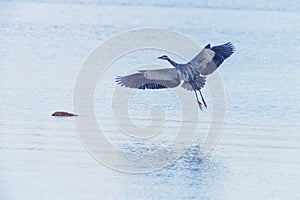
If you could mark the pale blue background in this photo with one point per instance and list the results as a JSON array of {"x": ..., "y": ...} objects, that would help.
[{"x": 42, "y": 46}]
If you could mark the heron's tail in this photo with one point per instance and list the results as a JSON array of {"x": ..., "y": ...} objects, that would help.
[{"x": 197, "y": 84}]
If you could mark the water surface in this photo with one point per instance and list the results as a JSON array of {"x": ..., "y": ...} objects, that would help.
[{"x": 43, "y": 45}]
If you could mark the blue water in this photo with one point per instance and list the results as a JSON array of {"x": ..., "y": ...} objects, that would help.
[{"x": 43, "y": 45}]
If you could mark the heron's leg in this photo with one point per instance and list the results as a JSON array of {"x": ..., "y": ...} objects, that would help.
[
  {"x": 199, "y": 103},
  {"x": 203, "y": 99}
]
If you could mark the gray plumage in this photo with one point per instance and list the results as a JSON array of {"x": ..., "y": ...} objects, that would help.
[
  {"x": 151, "y": 79},
  {"x": 192, "y": 74}
]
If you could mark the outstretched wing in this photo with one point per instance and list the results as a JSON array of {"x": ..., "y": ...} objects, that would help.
[
  {"x": 222, "y": 52},
  {"x": 201, "y": 60},
  {"x": 151, "y": 79}
]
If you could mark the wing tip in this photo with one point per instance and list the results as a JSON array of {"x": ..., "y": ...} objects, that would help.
[
  {"x": 118, "y": 78},
  {"x": 231, "y": 46}
]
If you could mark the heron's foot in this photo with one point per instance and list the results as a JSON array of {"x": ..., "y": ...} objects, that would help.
[{"x": 200, "y": 105}]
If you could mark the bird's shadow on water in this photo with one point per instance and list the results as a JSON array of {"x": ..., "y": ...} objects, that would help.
[
  {"x": 191, "y": 164},
  {"x": 189, "y": 177}
]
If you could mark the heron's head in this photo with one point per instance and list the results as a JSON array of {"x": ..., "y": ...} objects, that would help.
[{"x": 164, "y": 57}]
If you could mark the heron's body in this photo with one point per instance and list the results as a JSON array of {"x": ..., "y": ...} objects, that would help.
[
  {"x": 187, "y": 72},
  {"x": 192, "y": 74}
]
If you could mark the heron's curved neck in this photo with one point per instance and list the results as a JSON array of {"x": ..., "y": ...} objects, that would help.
[{"x": 172, "y": 62}]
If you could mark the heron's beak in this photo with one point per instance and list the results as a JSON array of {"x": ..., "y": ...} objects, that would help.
[{"x": 160, "y": 57}]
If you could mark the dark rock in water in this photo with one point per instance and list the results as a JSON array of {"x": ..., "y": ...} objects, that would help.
[{"x": 63, "y": 114}]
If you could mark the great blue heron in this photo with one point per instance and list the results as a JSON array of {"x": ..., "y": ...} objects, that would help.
[{"x": 192, "y": 73}]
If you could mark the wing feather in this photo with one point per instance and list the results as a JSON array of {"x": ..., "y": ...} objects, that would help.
[
  {"x": 222, "y": 52},
  {"x": 209, "y": 59},
  {"x": 151, "y": 79},
  {"x": 201, "y": 60}
]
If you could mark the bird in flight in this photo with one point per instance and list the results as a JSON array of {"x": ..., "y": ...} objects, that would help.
[{"x": 192, "y": 74}]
